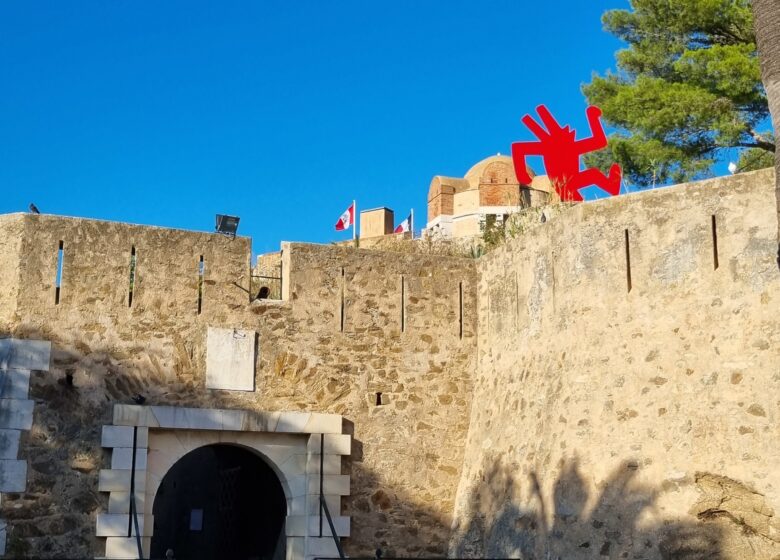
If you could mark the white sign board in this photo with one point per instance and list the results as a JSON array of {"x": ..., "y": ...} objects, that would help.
[{"x": 230, "y": 359}]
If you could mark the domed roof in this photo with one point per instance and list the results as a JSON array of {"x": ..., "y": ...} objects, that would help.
[{"x": 474, "y": 175}]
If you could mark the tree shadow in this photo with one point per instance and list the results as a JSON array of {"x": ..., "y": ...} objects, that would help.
[
  {"x": 56, "y": 514},
  {"x": 572, "y": 523}
]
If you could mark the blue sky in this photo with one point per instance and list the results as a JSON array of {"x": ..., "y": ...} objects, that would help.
[{"x": 280, "y": 112}]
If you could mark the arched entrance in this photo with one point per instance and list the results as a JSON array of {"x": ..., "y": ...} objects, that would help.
[{"x": 220, "y": 501}]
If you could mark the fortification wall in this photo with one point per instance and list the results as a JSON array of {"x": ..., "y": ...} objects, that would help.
[
  {"x": 10, "y": 244},
  {"x": 331, "y": 346},
  {"x": 630, "y": 411}
]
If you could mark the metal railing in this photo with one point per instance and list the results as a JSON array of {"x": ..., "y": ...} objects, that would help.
[{"x": 324, "y": 505}]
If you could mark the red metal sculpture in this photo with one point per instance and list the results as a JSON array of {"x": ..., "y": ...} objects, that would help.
[{"x": 561, "y": 154}]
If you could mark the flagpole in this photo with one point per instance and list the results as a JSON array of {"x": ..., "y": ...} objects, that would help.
[
  {"x": 354, "y": 220},
  {"x": 411, "y": 225}
]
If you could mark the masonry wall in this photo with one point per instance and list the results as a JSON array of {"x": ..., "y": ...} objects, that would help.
[
  {"x": 617, "y": 418},
  {"x": 10, "y": 244},
  {"x": 407, "y": 452}
]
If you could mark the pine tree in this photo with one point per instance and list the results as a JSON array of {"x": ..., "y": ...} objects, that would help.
[{"x": 688, "y": 86}]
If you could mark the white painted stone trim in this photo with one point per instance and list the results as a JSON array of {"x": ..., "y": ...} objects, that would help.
[
  {"x": 290, "y": 442},
  {"x": 18, "y": 358},
  {"x": 224, "y": 419}
]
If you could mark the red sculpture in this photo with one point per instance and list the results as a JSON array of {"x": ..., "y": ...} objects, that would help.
[{"x": 561, "y": 154}]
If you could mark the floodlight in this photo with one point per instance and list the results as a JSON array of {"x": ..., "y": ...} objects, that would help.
[{"x": 227, "y": 225}]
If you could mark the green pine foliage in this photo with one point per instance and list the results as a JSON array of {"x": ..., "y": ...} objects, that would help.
[{"x": 688, "y": 85}]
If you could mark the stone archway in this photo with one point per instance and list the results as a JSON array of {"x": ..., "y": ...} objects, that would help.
[
  {"x": 219, "y": 501},
  {"x": 302, "y": 449}
]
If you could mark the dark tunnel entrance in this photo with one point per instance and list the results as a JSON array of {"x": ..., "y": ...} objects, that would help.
[{"x": 220, "y": 501}]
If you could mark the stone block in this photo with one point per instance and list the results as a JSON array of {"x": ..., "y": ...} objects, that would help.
[
  {"x": 333, "y": 501},
  {"x": 295, "y": 525},
  {"x": 298, "y": 505},
  {"x": 323, "y": 424},
  {"x": 332, "y": 484},
  {"x": 24, "y": 354},
  {"x": 188, "y": 418},
  {"x": 134, "y": 415},
  {"x": 16, "y": 414},
  {"x": 293, "y": 422},
  {"x": 126, "y": 547},
  {"x": 14, "y": 383},
  {"x": 340, "y": 524},
  {"x": 233, "y": 420},
  {"x": 122, "y": 458},
  {"x": 122, "y": 436},
  {"x": 331, "y": 464},
  {"x": 323, "y": 547},
  {"x": 119, "y": 502},
  {"x": 13, "y": 475},
  {"x": 261, "y": 421},
  {"x": 110, "y": 480},
  {"x": 296, "y": 548},
  {"x": 294, "y": 465},
  {"x": 116, "y": 525},
  {"x": 335, "y": 444},
  {"x": 230, "y": 359},
  {"x": 9, "y": 443},
  {"x": 297, "y": 485}
]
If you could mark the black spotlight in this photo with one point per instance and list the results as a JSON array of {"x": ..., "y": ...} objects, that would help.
[{"x": 227, "y": 225}]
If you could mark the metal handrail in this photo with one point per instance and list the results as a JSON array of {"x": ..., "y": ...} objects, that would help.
[
  {"x": 134, "y": 513},
  {"x": 337, "y": 540},
  {"x": 323, "y": 503}
]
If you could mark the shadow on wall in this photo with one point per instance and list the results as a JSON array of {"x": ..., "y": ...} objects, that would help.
[
  {"x": 55, "y": 516},
  {"x": 389, "y": 517},
  {"x": 570, "y": 527}
]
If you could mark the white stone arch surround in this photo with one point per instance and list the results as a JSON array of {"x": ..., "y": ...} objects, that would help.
[{"x": 289, "y": 442}]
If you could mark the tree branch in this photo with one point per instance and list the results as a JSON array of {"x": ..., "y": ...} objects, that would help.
[
  {"x": 760, "y": 141},
  {"x": 768, "y": 146}
]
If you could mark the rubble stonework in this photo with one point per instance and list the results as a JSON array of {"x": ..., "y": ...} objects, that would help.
[{"x": 539, "y": 401}]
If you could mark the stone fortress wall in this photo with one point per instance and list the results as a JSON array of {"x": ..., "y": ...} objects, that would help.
[
  {"x": 626, "y": 394},
  {"x": 338, "y": 339},
  {"x": 603, "y": 386}
]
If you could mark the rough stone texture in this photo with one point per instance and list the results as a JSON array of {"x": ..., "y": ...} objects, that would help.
[
  {"x": 406, "y": 454},
  {"x": 11, "y": 226},
  {"x": 605, "y": 423},
  {"x": 641, "y": 424}
]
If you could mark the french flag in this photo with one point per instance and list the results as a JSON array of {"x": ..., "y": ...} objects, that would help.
[{"x": 404, "y": 226}]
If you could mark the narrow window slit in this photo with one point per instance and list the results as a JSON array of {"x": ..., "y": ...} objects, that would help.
[
  {"x": 201, "y": 273},
  {"x": 403, "y": 304},
  {"x": 58, "y": 278},
  {"x": 343, "y": 280},
  {"x": 715, "y": 262},
  {"x": 460, "y": 310},
  {"x": 132, "y": 276},
  {"x": 628, "y": 262},
  {"x": 379, "y": 399}
]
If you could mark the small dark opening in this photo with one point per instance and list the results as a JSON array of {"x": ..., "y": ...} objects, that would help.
[
  {"x": 628, "y": 262},
  {"x": 201, "y": 272},
  {"x": 460, "y": 310},
  {"x": 715, "y": 263},
  {"x": 403, "y": 303},
  {"x": 341, "y": 313},
  {"x": 58, "y": 278},
  {"x": 264, "y": 293},
  {"x": 379, "y": 399},
  {"x": 132, "y": 276}
]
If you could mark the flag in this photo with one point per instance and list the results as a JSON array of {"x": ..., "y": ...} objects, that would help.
[
  {"x": 404, "y": 226},
  {"x": 347, "y": 218}
]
